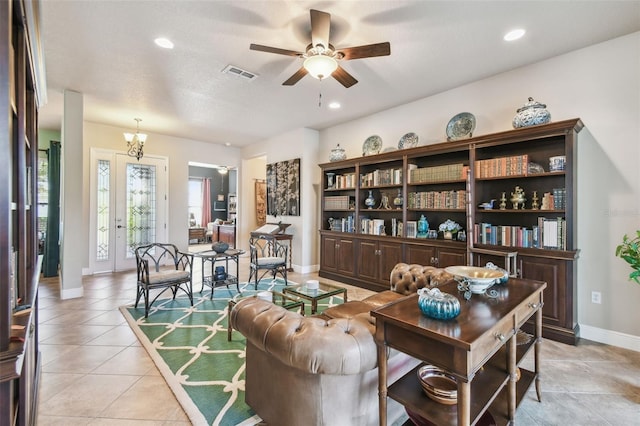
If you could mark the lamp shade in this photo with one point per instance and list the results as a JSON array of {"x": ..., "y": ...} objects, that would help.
[{"x": 320, "y": 66}]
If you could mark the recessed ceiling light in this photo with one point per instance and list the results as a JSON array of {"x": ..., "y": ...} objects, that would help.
[
  {"x": 164, "y": 42},
  {"x": 514, "y": 34},
  {"x": 334, "y": 105}
]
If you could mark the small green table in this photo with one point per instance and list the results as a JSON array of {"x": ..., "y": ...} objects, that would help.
[{"x": 324, "y": 291}]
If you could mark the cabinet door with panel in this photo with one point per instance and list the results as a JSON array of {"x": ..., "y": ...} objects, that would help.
[
  {"x": 390, "y": 255},
  {"x": 337, "y": 254},
  {"x": 557, "y": 309},
  {"x": 376, "y": 259},
  {"x": 450, "y": 257},
  {"x": 368, "y": 259},
  {"x": 419, "y": 254}
]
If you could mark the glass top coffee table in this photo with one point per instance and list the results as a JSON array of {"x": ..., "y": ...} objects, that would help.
[
  {"x": 324, "y": 291},
  {"x": 277, "y": 298}
]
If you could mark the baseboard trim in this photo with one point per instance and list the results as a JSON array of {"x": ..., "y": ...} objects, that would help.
[
  {"x": 306, "y": 269},
  {"x": 609, "y": 337},
  {"x": 71, "y": 293}
]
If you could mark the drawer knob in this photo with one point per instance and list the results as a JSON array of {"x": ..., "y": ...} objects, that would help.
[
  {"x": 499, "y": 336},
  {"x": 536, "y": 305}
]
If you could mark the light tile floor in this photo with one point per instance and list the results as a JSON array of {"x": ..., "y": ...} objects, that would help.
[{"x": 94, "y": 371}]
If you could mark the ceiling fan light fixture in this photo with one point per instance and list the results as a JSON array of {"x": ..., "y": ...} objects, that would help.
[{"x": 320, "y": 66}]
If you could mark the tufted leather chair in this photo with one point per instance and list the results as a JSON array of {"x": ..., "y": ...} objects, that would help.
[{"x": 323, "y": 369}]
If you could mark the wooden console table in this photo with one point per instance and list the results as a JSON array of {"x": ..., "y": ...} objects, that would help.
[
  {"x": 479, "y": 348},
  {"x": 197, "y": 234}
]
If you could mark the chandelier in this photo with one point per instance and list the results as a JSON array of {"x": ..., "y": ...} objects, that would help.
[{"x": 135, "y": 141}]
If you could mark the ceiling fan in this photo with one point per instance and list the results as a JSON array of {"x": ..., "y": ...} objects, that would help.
[{"x": 321, "y": 58}]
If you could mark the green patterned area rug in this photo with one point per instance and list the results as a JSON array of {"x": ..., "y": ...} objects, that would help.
[{"x": 190, "y": 348}]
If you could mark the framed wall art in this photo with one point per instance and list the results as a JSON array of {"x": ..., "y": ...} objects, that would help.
[
  {"x": 283, "y": 188},
  {"x": 261, "y": 202}
]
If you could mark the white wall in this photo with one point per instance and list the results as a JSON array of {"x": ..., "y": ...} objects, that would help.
[
  {"x": 303, "y": 144},
  {"x": 179, "y": 151},
  {"x": 600, "y": 85}
]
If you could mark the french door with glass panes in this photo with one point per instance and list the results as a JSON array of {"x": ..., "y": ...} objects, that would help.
[{"x": 128, "y": 208}]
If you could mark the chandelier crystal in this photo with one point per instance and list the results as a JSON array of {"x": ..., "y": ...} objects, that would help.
[{"x": 135, "y": 141}]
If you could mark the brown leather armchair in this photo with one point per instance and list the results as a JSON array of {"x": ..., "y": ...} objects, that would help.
[{"x": 322, "y": 370}]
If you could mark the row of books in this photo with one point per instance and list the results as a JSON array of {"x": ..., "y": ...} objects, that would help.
[
  {"x": 372, "y": 226},
  {"x": 339, "y": 202},
  {"x": 516, "y": 165},
  {"x": 446, "y": 172},
  {"x": 345, "y": 224},
  {"x": 381, "y": 177},
  {"x": 345, "y": 181},
  {"x": 548, "y": 234},
  {"x": 437, "y": 199}
]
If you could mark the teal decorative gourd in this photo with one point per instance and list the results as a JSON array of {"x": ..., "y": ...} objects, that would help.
[{"x": 436, "y": 304}]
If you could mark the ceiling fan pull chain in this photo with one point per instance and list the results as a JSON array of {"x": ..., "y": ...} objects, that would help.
[{"x": 320, "y": 95}]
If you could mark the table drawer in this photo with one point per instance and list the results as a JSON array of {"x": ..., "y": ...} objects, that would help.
[
  {"x": 525, "y": 310},
  {"x": 491, "y": 341}
]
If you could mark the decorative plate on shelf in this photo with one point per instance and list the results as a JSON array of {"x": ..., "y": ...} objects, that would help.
[
  {"x": 409, "y": 140},
  {"x": 461, "y": 126},
  {"x": 372, "y": 145}
]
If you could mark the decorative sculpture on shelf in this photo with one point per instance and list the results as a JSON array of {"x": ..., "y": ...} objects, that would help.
[
  {"x": 503, "y": 201},
  {"x": 534, "y": 201},
  {"x": 384, "y": 202},
  {"x": 517, "y": 198},
  {"x": 398, "y": 201}
]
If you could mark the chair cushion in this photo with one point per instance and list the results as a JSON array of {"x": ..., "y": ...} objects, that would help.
[
  {"x": 271, "y": 261},
  {"x": 168, "y": 276}
]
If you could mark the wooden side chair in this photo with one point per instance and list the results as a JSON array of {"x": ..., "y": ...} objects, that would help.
[
  {"x": 162, "y": 266},
  {"x": 267, "y": 256}
]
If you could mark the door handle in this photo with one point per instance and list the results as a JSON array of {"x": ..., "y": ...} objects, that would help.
[{"x": 119, "y": 226}]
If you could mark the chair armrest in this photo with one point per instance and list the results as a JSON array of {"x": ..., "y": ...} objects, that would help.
[
  {"x": 184, "y": 260},
  {"x": 143, "y": 270}
]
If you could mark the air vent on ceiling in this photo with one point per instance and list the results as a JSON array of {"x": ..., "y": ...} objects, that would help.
[{"x": 239, "y": 72}]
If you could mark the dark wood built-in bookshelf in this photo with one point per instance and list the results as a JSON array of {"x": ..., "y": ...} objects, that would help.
[
  {"x": 20, "y": 68},
  {"x": 452, "y": 180}
]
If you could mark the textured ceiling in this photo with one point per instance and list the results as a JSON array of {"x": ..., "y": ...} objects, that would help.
[{"x": 105, "y": 50}]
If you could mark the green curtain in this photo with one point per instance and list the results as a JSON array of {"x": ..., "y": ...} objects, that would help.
[{"x": 52, "y": 239}]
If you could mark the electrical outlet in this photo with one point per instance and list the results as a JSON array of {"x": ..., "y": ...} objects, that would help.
[{"x": 596, "y": 297}]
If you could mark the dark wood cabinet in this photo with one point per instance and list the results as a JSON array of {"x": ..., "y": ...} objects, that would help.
[
  {"x": 558, "y": 311},
  {"x": 227, "y": 234},
  {"x": 450, "y": 257},
  {"x": 451, "y": 180},
  {"x": 21, "y": 92},
  {"x": 337, "y": 255},
  {"x": 375, "y": 260},
  {"x": 430, "y": 255}
]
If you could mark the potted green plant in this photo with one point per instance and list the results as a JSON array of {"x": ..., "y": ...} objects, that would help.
[{"x": 629, "y": 251}]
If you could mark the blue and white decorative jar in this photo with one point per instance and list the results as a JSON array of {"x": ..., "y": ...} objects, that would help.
[
  {"x": 337, "y": 154},
  {"x": 531, "y": 114},
  {"x": 436, "y": 304},
  {"x": 423, "y": 227},
  {"x": 370, "y": 201}
]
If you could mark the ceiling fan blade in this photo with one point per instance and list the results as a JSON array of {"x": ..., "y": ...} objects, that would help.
[
  {"x": 296, "y": 77},
  {"x": 344, "y": 77},
  {"x": 368, "y": 51},
  {"x": 320, "y": 27},
  {"x": 268, "y": 49}
]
